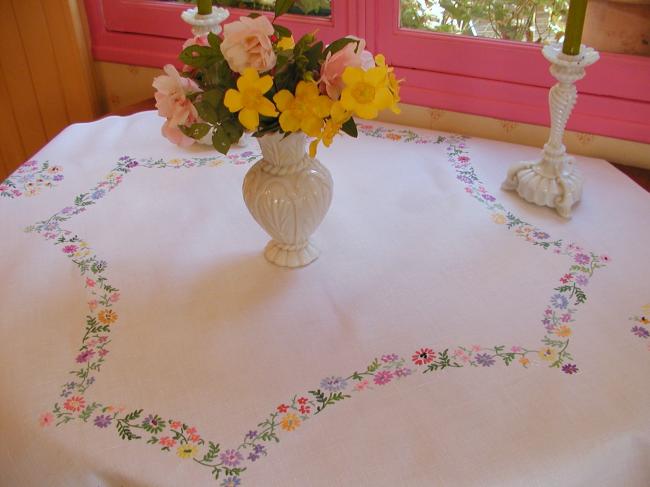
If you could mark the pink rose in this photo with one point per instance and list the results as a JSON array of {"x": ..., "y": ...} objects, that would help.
[
  {"x": 331, "y": 72},
  {"x": 246, "y": 44},
  {"x": 172, "y": 104}
]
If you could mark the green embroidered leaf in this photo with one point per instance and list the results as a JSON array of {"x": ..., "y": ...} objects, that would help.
[
  {"x": 152, "y": 441},
  {"x": 374, "y": 366},
  {"x": 581, "y": 297},
  {"x": 508, "y": 358},
  {"x": 133, "y": 415}
]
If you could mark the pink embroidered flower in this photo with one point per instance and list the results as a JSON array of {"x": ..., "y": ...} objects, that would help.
[
  {"x": 166, "y": 441},
  {"x": 75, "y": 403},
  {"x": 302, "y": 400},
  {"x": 423, "y": 356},
  {"x": 246, "y": 44},
  {"x": 305, "y": 409},
  {"x": 90, "y": 282},
  {"x": 282, "y": 408},
  {"x": 566, "y": 278},
  {"x": 85, "y": 356},
  {"x": 605, "y": 258},
  {"x": 191, "y": 431},
  {"x": 331, "y": 72},
  {"x": 70, "y": 249},
  {"x": 194, "y": 437},
  {"x": 46, "y": 419},
  {"x": 383, "y": 377},
  {"x": 361, "y": 385},
  {"x": 114, "y": 298},
  {"x": 175, "y": 425},
  {"x": 172, "y": 103},
  {"x": 476, "y": 348},
  {"x": 103, "y": 339},
  {"x": 516, "y": 349},
  {"x": 103, "y": 352}
]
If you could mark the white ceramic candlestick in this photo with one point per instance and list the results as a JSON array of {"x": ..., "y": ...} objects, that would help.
[
  {"x": 554, "y": 180},
  {"x": 204, "y": 24}
]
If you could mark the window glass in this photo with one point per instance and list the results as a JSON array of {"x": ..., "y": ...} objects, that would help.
[
  {"x": 516, "y": 20},
  {"x": 320, "y": 8}
]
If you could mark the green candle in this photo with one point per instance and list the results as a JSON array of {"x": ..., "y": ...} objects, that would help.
[
  {"x": 574, "y": 22},
  {"x": 205, "y": 7}
]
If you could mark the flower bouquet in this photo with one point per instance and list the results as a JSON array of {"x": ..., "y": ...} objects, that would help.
[{"x": 257, "y": 79}]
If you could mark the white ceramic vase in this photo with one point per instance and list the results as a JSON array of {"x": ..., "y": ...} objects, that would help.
[{"x": 288, "y": 193}]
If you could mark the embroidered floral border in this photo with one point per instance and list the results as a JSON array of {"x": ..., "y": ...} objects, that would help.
[
  {"x": 641, "y": 328},
  {"x": 227, "y": 465},
  {"x": 30, "y": 178}
]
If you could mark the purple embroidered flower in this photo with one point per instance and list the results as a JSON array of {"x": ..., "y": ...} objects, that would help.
[
  {"x": 124, "y": 158},
  {"x": 131, "y": 164},
  {"x": 488, "y": 197},
  {"x": 231, "y": 458},
  {"x": 640, "y": 332},
  {"x": 70, "y": 385},
  {"x": 559, "y": 301},
  {"x": 582, "y": 259},
  {"x": 566, "y": 317},
  {"x": 231, "y": 482},
  {"x": 102, "y": 421},
  {"x": 57, "y": 177},
  {"x": 546, "y": 322},
  {"x": 570, "y": 369},
  {"x": 70, "y": 249},
  {"x": 582, "y": 280},
  {"x": 85, "y": 356},
  {"x": 251, "y": 435},
  {"x": 333, "y": 384},
  {"x": 464, "y": 179},
  {"x": 548, "y": 311},
  {"x": 91, "y": 380},
  {"x": 484, "y": 359},
  {"x": 403, "y": 372},
  {"x": 383, "y": 377},
  {"x": 391, "y": 357},
  {"x": 98, "y": 194},
  {"x": 252, "y": 456},
  {"x": 259, "y": 449},
  {"x": 541, "y": 235}
]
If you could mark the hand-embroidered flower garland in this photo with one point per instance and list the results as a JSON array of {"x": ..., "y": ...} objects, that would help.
[
  {"x": 29, "y": 179},
  {"x": 172, "y": 434}
]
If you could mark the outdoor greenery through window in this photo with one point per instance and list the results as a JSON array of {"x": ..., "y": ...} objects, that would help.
[
  {"x": 320, "y": 8},
  {"x": 539, "y": 21}
]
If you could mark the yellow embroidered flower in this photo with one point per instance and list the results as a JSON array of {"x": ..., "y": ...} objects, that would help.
[
  {"x": 286, "y": 43},
  {"x": 305, "y": 111},
  {"x": 366, "y": 92},
  {"x": 107, "y": 316},
  {"x": 249, "y": 98},
  {"x": 549, "y": 354},
  {"x": 186, "y": 451},
  {"x": 524, "y": 361},
  {"x": 339, "y": 116},
  {"x": 498, "y": 218},
  {"x": 563, "y": 331},
  {"x": 289, "y": 422}
]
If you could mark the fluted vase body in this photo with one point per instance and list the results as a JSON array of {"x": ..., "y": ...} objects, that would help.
[{"x": 288, "y": 193}]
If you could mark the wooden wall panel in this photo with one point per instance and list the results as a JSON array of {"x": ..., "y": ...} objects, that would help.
[{"x": 46, "y": 79}]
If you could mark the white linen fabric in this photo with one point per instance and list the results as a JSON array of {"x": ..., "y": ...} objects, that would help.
[{"x": 449, "y": 334}]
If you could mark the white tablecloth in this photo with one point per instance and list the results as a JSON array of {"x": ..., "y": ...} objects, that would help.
[{"x": 449, "y": 334}]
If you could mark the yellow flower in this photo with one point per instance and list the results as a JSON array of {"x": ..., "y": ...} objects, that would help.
[
  {"x": 305, "y": 111},
  {"x": 366, "y": 92},
  {"x": 498, "y": 218},
  {"x": 563, "y": 331},
  {"x": 186, "y": 451},
  {"x": 249, "y": 99},
  {"x": 393, "y": 83},
  {"x": 524, "y": 361},
  {"x": 107, "y": 316},
  {"x": 286, "y": 43},
  {"x": 549, "y": 354},
  {"x": 339, "y": 116},
  {"x": 290, "y": 422}
]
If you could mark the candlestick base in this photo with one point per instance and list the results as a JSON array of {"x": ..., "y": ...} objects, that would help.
[
  {"x": 553, "y": 180},
  {"x": 204, "y": 24}
]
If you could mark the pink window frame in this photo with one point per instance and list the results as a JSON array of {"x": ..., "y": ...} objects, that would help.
[{"x": 501, "y": 79}]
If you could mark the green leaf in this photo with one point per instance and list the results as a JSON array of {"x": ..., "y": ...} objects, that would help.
[
  {"x": 282, "y": 31},
  {"x": 283, "y": 6},
  {"x": 339, "y": 44},
  {"x": 350, "y": 127},
  {"x": 200, "y": 56},
  {"x": 226, "y": 134},
  {"x": 196, "y": 131}
]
